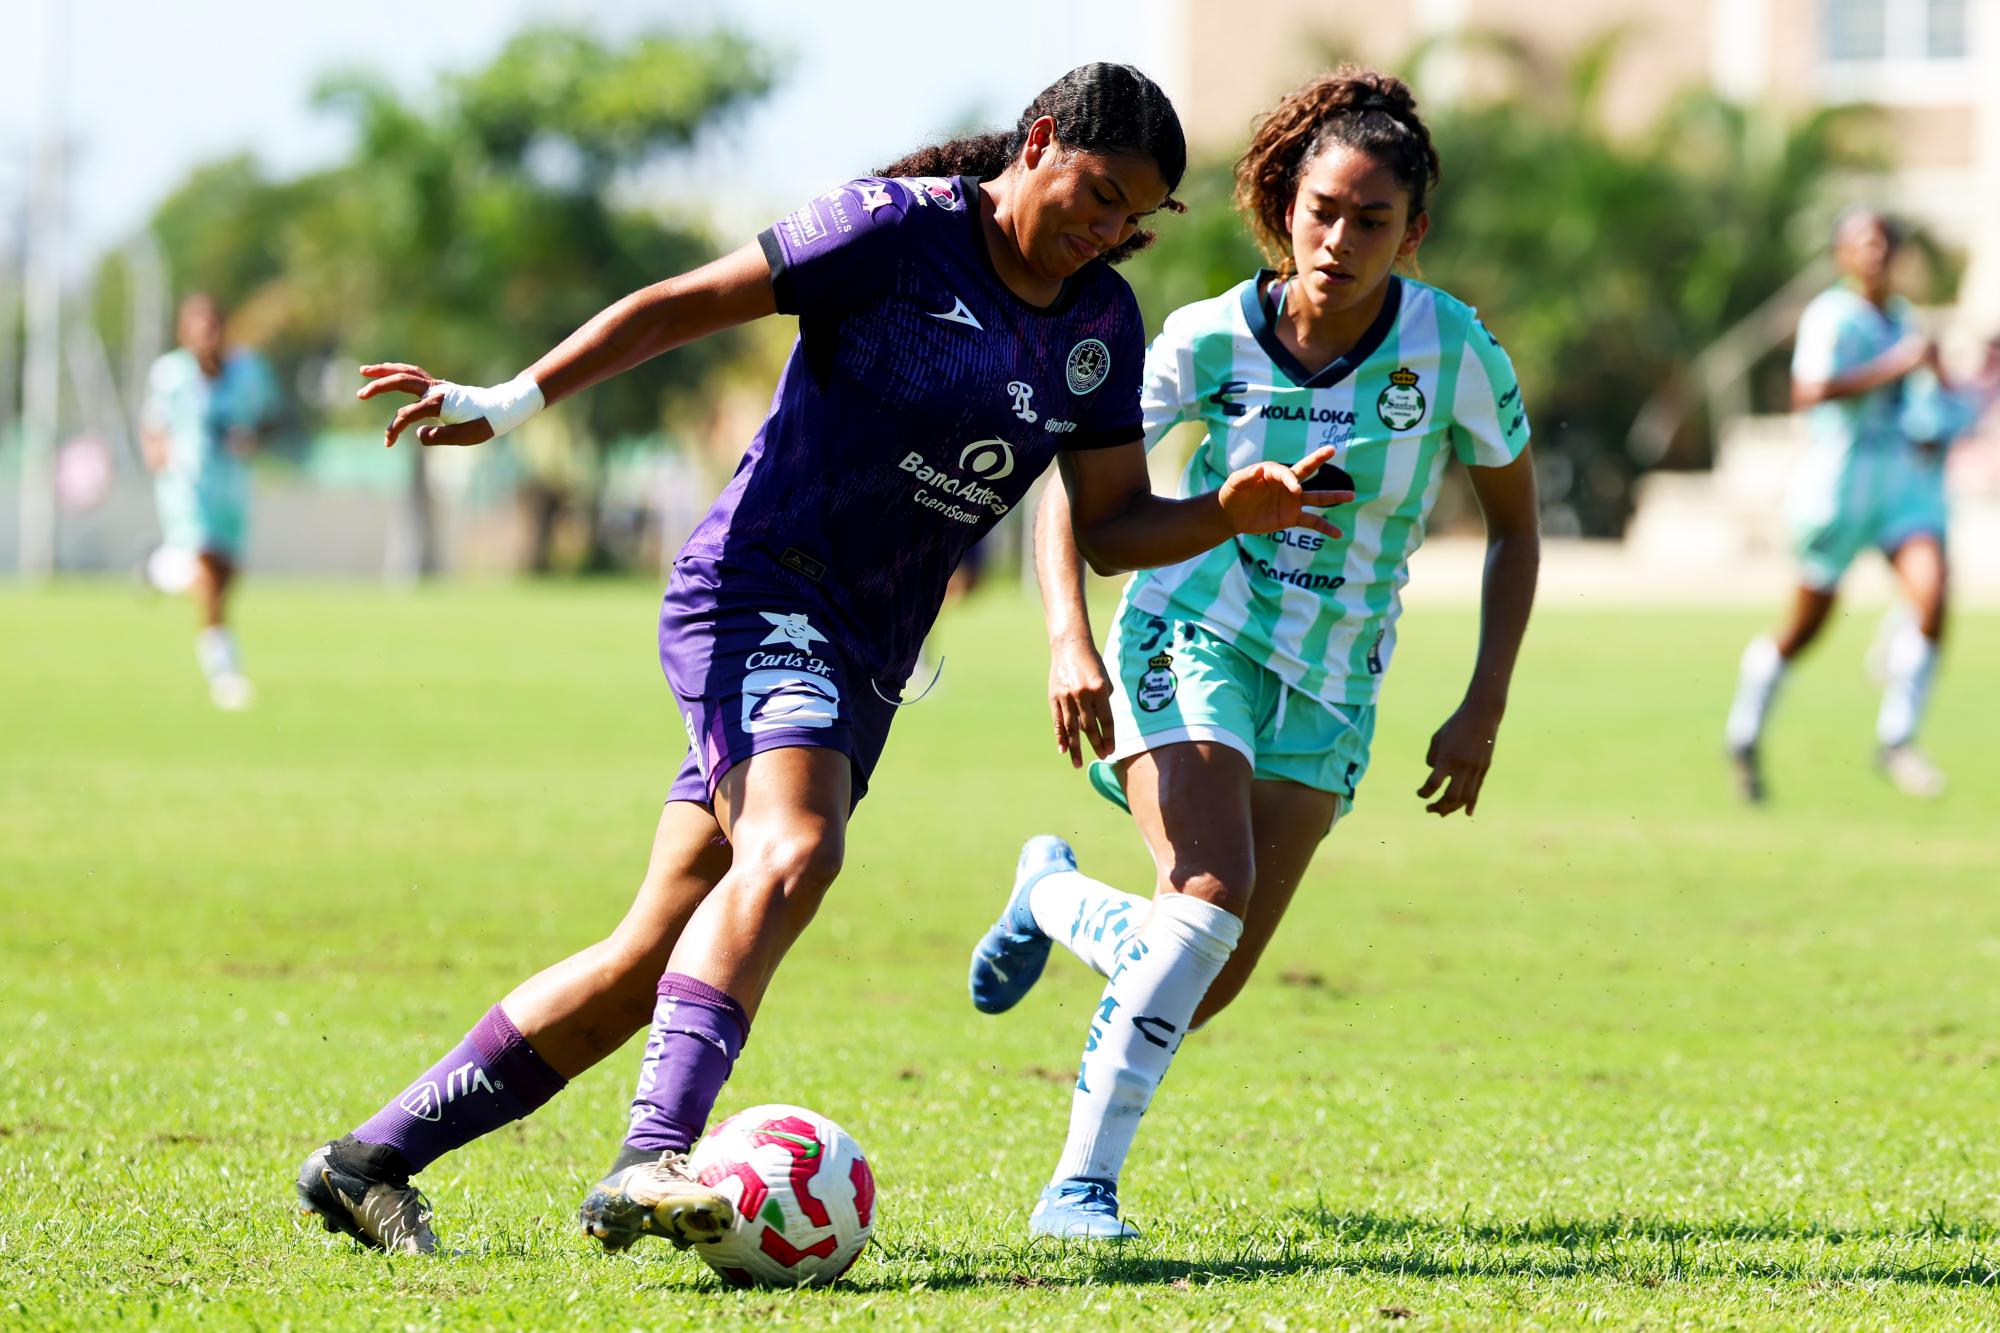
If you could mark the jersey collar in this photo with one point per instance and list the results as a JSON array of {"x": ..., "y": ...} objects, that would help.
[{"x": 1262, "y": 319}]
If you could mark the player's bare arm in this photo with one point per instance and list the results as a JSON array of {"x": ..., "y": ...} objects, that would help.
[
  {"x": 1121, "y": 525},
  {"x": 1887, "y": 368},
  {"x": 732, "y": 290},
  {"x": 1461, "y": 751},
  {"x": 1079, "y": 688}
]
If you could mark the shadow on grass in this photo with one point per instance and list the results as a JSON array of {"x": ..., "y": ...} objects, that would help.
[{"x": 1644, "y": 1251}]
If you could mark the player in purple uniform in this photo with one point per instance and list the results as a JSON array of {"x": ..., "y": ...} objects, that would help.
[{"x": 959, "y": 329}]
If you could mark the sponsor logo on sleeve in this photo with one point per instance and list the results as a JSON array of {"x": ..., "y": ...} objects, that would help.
[
  {"x": 1402, "y": 404},
  {"x": 1088, "y": 364},
  {"x": 804, "y": 226},
  {"x": 836, "y": 211},
  {"x": 873, "y": 195},
  {"x": 936, "y": 191}
]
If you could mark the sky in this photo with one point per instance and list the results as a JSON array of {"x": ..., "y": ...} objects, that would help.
[{"x": 147, "y": 91}]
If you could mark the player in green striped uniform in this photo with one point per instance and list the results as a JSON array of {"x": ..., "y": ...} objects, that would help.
[
  {"x": 1858, "y": 362},
  {"x": 1234, "y": 706}
]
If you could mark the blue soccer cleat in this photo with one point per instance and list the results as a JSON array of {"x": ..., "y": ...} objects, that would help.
[
  {"x": 1008, "y": 961},
  {"x": 1080, "y": 1209}
]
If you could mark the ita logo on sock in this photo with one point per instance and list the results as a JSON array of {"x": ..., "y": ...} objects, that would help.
[{"x": 425, "y": 1102}]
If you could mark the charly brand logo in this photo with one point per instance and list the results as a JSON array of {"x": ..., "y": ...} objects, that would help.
[
  {"x": 1158, "y": 686},
  {"x": 1024, "y": 396},
  {"x": 1224, "y": 397},
  {"x": 1089, "y": 362},
  {"x": 874, "y": 195},
  {"x": 1401, "y": 405}
]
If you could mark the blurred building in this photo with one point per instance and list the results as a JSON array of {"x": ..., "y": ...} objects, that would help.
[{"x": 1934, "y": 65}]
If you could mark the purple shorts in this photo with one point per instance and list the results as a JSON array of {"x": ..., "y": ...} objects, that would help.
[{"x": 759, "y": 666}]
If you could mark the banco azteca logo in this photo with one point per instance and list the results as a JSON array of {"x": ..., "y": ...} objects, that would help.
[{"x": 988, "y": 460}]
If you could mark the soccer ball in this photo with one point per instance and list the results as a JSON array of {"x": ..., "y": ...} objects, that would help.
[{"x": 804, "y": 1196}]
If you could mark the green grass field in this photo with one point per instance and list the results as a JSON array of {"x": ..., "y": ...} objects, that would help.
[{"x": 1616, "y": 1053}]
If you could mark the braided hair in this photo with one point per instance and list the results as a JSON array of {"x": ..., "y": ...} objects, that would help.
[
  {"x": 1097, "y": 108},
  {"x": 1354, "y": 107}
]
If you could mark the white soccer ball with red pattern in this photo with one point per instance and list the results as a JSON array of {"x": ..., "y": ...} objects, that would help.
[{"x": 804, "y": 1196}]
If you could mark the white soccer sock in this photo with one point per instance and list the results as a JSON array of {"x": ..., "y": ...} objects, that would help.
[
  {"x": 1912, "y": 667},
  {"x": 1086, "y": 916},
  {"x": 1756, "y": 685},
  {"x": 1159, "y": 980},
  {"x": 215, "y": 649}
]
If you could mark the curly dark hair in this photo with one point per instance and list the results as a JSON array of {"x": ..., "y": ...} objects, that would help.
[
  {"x": 1359, "y": 108},
  {"x": 1099, "y": 108}
]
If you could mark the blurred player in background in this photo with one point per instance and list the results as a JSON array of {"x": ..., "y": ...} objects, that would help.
[
  {"x": 1862, "y": 484},
  {"x": 1236, "y": 715},
  {"x": 1935, "y": 416},
  {"x": 207, "y": 409}
]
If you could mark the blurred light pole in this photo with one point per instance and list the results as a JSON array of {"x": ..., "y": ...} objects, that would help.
[{"x": 43, "y": 292}]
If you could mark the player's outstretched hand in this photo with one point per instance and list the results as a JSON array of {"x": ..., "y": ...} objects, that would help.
[
  {"x": 1460, "y": 754},
  {"x": 1269, "y": 497},
  {"x": 1080, "y": 701},
  {"x": 398, "y": 377}
]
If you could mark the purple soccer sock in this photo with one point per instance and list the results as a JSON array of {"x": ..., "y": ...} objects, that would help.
[
  {"x": 697, "y": 1033},
  {"x": 490, "y": 1079}
]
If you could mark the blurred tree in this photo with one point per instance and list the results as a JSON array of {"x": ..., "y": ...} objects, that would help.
[
  {"x": 1605, "y": 264},
  {"x": 472, "y": 230}
]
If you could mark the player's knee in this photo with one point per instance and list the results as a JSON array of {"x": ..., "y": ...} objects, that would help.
[{"x": 798, "y": 866}]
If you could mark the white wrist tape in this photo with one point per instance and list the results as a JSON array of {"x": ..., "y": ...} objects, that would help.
[{"x": 504, "y": 406}]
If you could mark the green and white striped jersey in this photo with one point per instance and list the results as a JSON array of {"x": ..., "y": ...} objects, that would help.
[{"x": 1427, "y": 379}]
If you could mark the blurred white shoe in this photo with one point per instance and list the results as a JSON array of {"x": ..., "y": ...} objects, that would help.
[
  {"x": 231, "y": 692},
  {"x": 1910, "y": 771}
]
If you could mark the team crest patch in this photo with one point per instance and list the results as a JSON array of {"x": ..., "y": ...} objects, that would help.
[
  {"x": 1089, "y": 362},
  {"x": 1401, "y": 405},
  {"x": 1159, "y": 685}
]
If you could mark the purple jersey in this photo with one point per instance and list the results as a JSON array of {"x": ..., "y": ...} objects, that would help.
[{"x": 920, "y": 402}]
